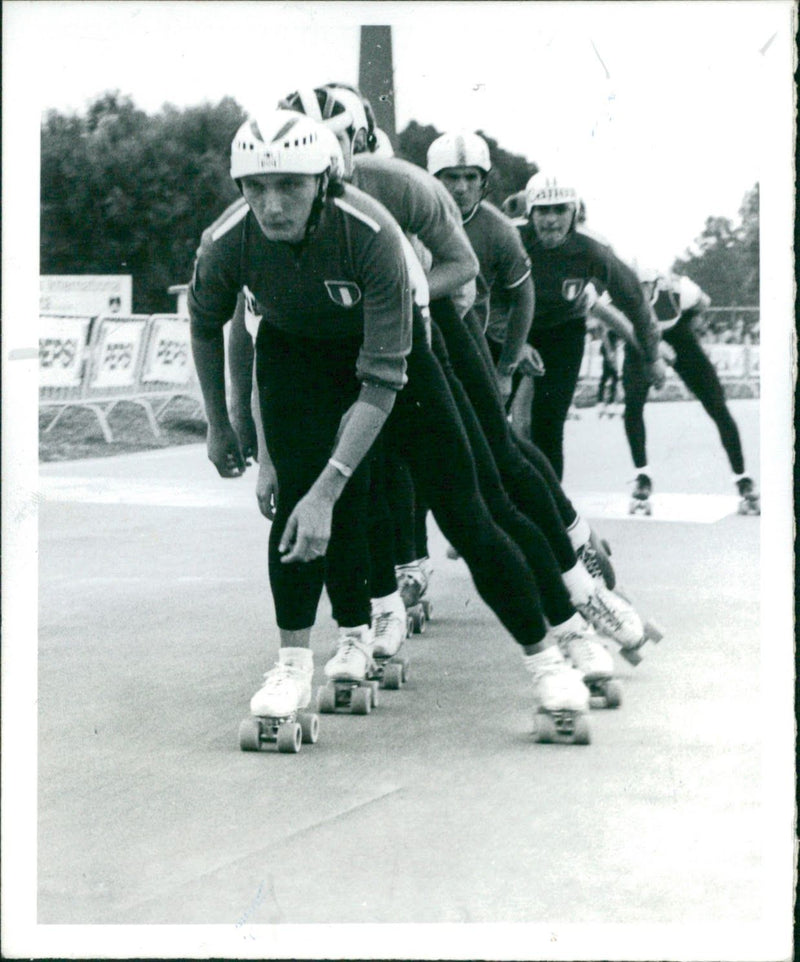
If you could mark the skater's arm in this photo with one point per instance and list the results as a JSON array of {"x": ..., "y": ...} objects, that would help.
[
  {"x": 211, "y": 301},
  {"x": 521, "y": 302},
  {"x": 308, "y": 529}
]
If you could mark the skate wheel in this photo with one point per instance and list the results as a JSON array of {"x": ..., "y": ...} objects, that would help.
[
  {"x": 393, "y": 677},
  {"x": 326, "y": 700},
  {"x": 581, "y": 734},
  {"x": 290, "y": 737},
  {"x": 613, "y": 694},
  {"x": 250, "y": 735},
  {"x": 631, "y": 655},
  {"x": 632, "y": 508},
  {"x": 361, "y": 701},
  {"x": 309, "y": 726},
  {"x": 409, "y": 626},
  {"x": 648, "y": 509},
  {"x": 427, "y": 609},
  {"x": 545, "y": 731},
  {"x": 419, "y": 623}
]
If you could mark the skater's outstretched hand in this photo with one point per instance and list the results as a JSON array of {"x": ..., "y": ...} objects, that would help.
[
  {"x": 267, "y": 491},
  {"x": 308, "y": 530},
  {"x": 224, "y": 451}
]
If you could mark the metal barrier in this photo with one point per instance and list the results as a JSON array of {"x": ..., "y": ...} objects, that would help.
[{"x": 97, "y": 363}]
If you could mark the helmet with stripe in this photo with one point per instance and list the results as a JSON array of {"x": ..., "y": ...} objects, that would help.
[
  {"x": 344, "y": 110},
  {"x": 279, "y": 141},
  {"x": 547, "y": 190},
  {"x": 459, "y": 149}
]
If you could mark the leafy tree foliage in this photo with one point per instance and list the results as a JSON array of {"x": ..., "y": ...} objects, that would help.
[
  {"x": 126, "y": 193},
  {"x": 510, "y": 172},
  {"x": 724, "y": 258}
]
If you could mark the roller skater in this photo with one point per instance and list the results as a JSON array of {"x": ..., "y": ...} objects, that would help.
[
  {"x": 675, "y": 301},
  {"x": 581, "y": 646},
  {"x": 561, "y": 699},
  {"x": 277, "y": 707},
  {"x": 337, "y": 367},
  {"x": 614, "y": 616},
  {"x": 640, "y": 499}
]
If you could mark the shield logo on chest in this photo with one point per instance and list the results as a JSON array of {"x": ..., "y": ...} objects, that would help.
[
  {"x": 343, "y": 293},
  {"x": 571, "y": 288}
]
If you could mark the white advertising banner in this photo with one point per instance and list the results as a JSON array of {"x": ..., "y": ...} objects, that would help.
[
  {"x": 169, "y": 352},
  {"x": 118, "y": 346},
  {"x": 62, "y": 348},
  {"x": 92, "y": 294}
]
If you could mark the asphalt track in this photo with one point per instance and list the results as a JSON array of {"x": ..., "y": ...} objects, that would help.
[{"x": 155, "y": 626}]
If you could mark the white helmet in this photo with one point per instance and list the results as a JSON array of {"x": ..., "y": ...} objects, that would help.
[
  {"x": 460, "y": 149},
  {"x": 383, "y": 146},
  {"x": 545, "y": 190},
  {"x": 279, "y": 141}
]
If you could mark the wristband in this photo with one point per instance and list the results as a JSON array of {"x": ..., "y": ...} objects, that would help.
[{"x": 341, "y": 468}]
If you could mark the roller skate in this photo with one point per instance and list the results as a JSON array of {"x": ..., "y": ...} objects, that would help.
[
  {"x": 389, "y": 629},
  {"x": 560, "y": 697},
  {"x": 604, "y": 411},
  {"x": 412, "y": 582},
  {"x": 595, "y": 555},
  {"x": 640, "y": 499},
  {"x": 276, "y": 708},
  {"x": 615, "y": 617},
  {"x": 349, "y": 687},
  {"x": 581, "y": 646},
  {"x": 750, "y": 502}
]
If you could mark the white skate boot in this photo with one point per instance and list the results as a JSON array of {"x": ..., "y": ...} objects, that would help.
[
  {"x": 580, "y": 644},
  {"x": 276, "y": 708},
  {"x": 347, "y": 672},
  {"x": 614, "y": 617},
  {"x": 389, "y": 629},
  {"x": 412, "y": 583},
  {"x": 595, "y": 555},
  {"x": 560, "y": 697}
]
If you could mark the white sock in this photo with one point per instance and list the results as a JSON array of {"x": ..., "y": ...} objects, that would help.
[
  {"x": 573, "y": 623},
  {"x": 389, "y": 604},
  {"x": 302, "y": 658},
  {"x": 579, "y": 532},
  {"x": 542, "y": 659},
  {"x": 580, "y": 584}
]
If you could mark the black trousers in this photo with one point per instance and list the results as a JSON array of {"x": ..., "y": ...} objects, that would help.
[
  {"x": 697, "y": 372},
  {"x": 561, "y": 349}
]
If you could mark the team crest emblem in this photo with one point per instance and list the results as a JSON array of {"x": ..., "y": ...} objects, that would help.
[
  {"x": 343, "y": 293},
  {"x": 571, "y": 289}
]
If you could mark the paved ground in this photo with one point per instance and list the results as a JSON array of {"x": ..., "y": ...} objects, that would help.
[{"x": 155, "y": 625}]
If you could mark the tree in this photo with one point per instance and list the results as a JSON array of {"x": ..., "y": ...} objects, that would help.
[
  {"x": 125, "y": 193},
  {"x": 724, "y": 260},
  {"x": 510, "y": 172}
]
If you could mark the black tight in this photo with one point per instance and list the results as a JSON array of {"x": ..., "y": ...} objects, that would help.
[{"x": 697, "y": 372}]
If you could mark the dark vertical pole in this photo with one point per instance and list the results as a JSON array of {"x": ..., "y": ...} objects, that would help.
[{"x": 376, "y": 76}]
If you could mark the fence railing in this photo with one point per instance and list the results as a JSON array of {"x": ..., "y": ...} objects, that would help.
[{"x": 98, "y": 362}]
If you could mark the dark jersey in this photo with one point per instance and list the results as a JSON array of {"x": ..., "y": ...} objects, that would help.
[
  {"x": 348, "y": 279},
  {"x": 560, "y": 276},
  {"x": 504, "y": 263}
]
